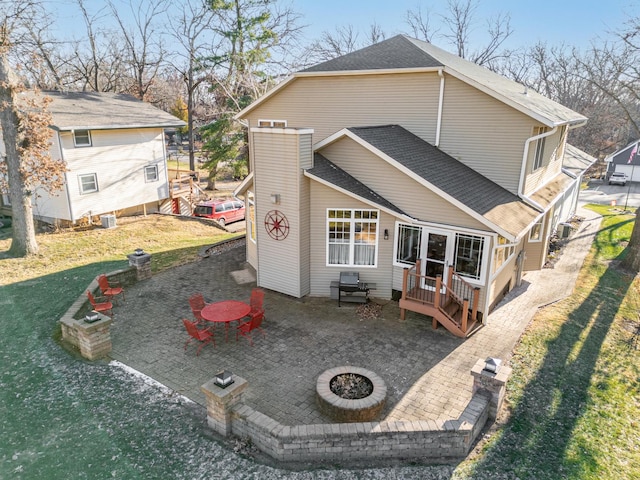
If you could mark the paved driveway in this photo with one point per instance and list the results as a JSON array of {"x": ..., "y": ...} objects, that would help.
[{"x": 601, "y": 193}]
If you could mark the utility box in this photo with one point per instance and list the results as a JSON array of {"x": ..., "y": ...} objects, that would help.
[
  {"x": 564, "y": 230},
  {"x": 108, "y": 221}
]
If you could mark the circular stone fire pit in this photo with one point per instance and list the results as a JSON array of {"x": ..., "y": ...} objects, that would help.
[{"x": 349, "y": 410}]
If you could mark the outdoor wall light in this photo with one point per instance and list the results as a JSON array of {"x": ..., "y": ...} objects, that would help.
[
  {"x": 386, "y": 234},
  {"x": 275, "y": 198},
  {"x": 91, "y": 317},
  {"x": 223, "y": 379},
  {"x": 492, "y": 364}
]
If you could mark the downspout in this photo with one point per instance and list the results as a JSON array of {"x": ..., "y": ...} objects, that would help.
[{"x": 440, "y": 105}]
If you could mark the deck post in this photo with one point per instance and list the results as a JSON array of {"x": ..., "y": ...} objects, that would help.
[
  {"x": 465, "y": 315},
  {"x": 450, "y": 279},
  {"x": 476, "y": 299},
  {"x": 436, "y": 300},
  {"x": 405, "y": 286}
]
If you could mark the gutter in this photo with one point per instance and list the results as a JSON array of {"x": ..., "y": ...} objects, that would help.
[{"x": 440, "y": 105}]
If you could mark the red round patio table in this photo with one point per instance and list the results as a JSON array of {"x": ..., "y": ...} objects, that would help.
[{"x": 225, "y": 312}]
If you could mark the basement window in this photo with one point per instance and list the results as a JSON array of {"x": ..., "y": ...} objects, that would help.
[{"x": 81, "y": 138}]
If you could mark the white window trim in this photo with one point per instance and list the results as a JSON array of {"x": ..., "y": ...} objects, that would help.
[
  {"x": 483, "y": 257},
  {"x": 538, "y": 151},
  {"x": 487, "y": 259},
  {"x": 396, "y": 238},
  {"x": 272, "y": 123},
  {"x": 146, "y": 176},
  {"x": 80, "y": 184},
  {"x": 251, "y": 220},
  {"x": 80, "y": 145},
  {"x": 352, "y": 221},
  {"x": 541, "y": 236},
  {"x": 507, "y": 259}
]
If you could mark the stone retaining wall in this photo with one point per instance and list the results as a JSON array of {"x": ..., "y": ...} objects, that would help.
[
  {"x": 424, "y": 440},
  {"x": 93, "y": 340}
]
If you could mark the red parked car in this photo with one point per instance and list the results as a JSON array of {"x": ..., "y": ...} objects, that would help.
[{"x": 224, "y": 211}]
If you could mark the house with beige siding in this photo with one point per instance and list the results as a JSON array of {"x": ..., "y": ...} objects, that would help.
[
  {"x": 114, "y": 149},
  {"x": 438, "y": 181}
]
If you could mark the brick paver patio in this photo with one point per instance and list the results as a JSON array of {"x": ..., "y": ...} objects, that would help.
[{"x": 427, "y": 372}]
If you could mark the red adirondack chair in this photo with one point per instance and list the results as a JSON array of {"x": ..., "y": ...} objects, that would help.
[
  {"x": 110, "y": 289},
  {"x": 197, "y": 303},
  {"x": 105, "y": 306},
  {"x": 202, "y": 335}
]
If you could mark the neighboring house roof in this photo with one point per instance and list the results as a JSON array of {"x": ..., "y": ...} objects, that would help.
[
  {"x": 475, "y": 194},
  {"x": 629, "y": 155},
  {"x": 403, "y": 53},
  {"x": 328, "y": 173},
  {"x": 576, "y": 161},
  {"x": 105, "y": 111}
]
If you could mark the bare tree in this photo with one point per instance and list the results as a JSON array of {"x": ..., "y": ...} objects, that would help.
[
  {"x": 27, "y": 164},
  {"x": 342, "y": 40},
  {"x": 421, "y": 24},
  {"x": 191, "y": 28},
  {"x": 143, "y": 42}
]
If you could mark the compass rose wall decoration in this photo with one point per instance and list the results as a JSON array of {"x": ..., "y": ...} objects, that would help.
[{"x": 276, "y": 224}]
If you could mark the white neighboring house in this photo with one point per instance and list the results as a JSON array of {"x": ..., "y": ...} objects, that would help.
[{"x": 114, "y": 149}]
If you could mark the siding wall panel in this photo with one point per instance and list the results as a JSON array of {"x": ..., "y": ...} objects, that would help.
[
  {"x": 386, "y": 180},
  {"x": 329, "y": 104},
  {"x": 118, "y": 158},
  {"x": 483, "y": 133}
]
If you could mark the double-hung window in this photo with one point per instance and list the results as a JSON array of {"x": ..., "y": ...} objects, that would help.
[
  {"x": 352, "y": 237},
  {"x": 539, "y": 151},
  {"x": 88, "y": 183}
]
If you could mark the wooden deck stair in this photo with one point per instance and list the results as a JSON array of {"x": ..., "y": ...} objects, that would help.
[{"x": 453, "y": 305}]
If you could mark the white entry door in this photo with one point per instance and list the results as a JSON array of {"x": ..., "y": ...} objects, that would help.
[{"x": 437, "y": 251}]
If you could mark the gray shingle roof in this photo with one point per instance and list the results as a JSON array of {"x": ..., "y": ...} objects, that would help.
[
  {"x": 394, "y": 53},
  {"x": 476, "y": 192},
  {"x": 104, "y": 111},
  {"x": 325, "y": 170},
  {"x": 575, "y": 160},
  {"x": 403, "y": 52}
]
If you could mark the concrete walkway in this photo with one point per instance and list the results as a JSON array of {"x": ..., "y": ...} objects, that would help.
[{"x": 427, "y": 371}]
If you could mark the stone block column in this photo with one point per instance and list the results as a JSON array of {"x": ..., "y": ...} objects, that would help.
[
  {"x": 493, "y": 384},
  {"x": 142, "y": 264},
  {"x": 92, "y": 339},
  {"x": 220, "y": 402}
]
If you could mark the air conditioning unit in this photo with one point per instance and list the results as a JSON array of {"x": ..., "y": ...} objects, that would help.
[
  {"x": 564, "y": 230},
  {"x": 108, "y": 221}
]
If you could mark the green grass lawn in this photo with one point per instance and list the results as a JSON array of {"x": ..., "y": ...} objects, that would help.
[{"x": 573, "y": 401}]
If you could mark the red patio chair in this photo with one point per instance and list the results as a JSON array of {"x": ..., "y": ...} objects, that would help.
[
  {"x": 253, "y": 323},
  {"x": 257, "y": 300},
  {"x": 197, "y": 303},
  {"x": 105, "y": 306},
  {"x": 202, "y": 335},
  {"x": 110, "y": 289}
]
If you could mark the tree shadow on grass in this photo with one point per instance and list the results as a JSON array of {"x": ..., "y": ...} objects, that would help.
[{"x": 537, "y": 438}]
